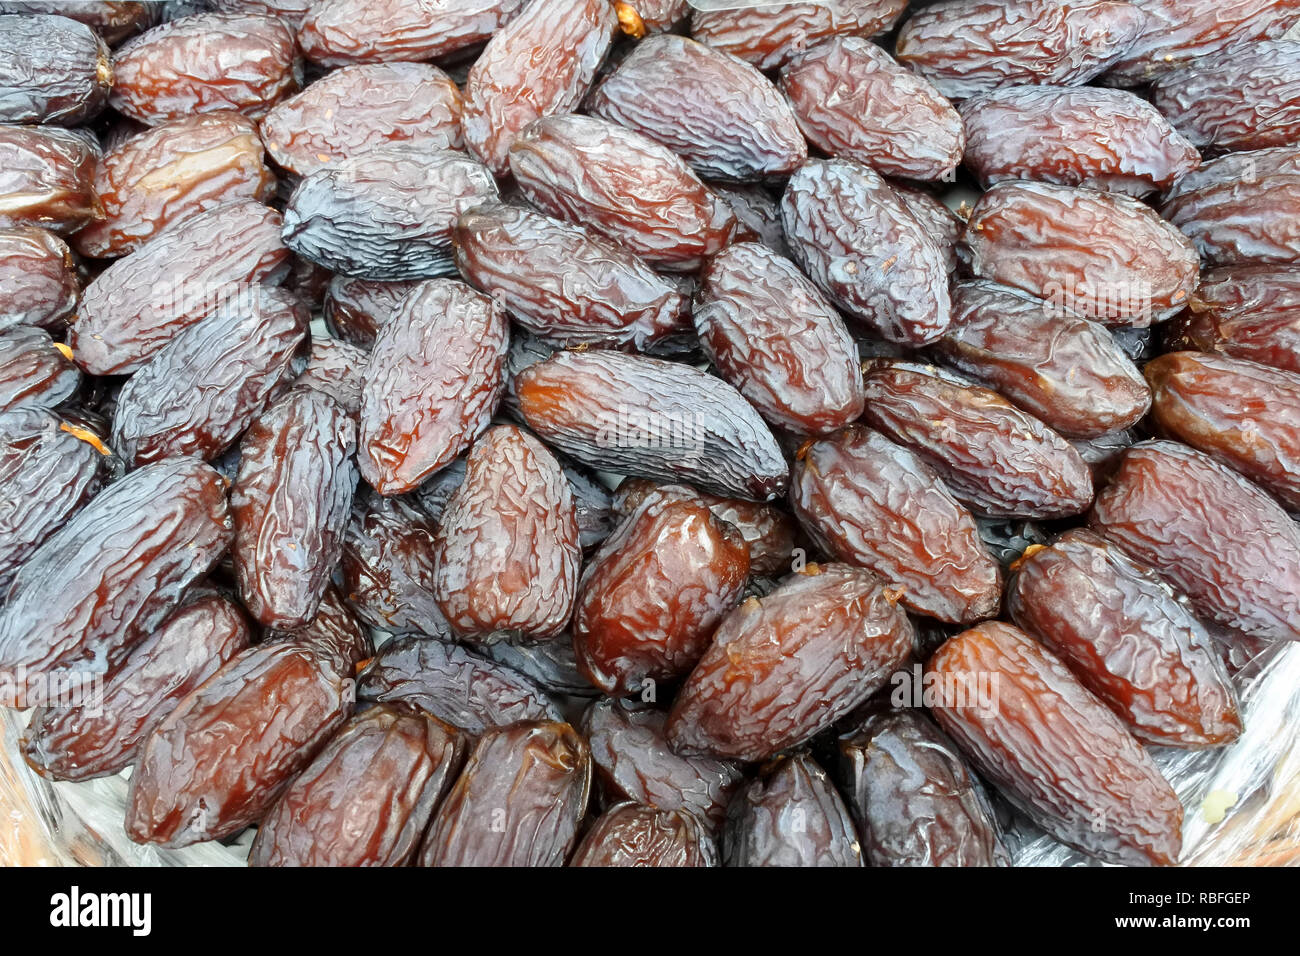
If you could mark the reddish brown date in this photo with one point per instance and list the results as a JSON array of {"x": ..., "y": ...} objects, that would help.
[
  {"x": 34, "y": 371},
  {"x": 943, "y": 225},
  {"x": 539, "y": 64},
  {"x": 506, "y": 553},
  {"x": 857, "y": 240},
  {"x": 114, "y": 20},
  {"x": 1054, "y": 750},
  {"x": 653, "y": 419},
  {"x": 78, "y": 743},
  {"x": 629, "y": 834},
  {"x": 432, "y": 383},
  {"x": 769, "y": 35},
  {"x": 100, "y": 584},
  {"x": 367, "y": 797},
  {"x": 1250, "y": 312},
  {"x": 791, "y": 816},
  {"x": 772, "y": 335},
  {"x": 561, "y": 282},
  {"x": 518, "y": 802},
  {"x": 290, "y": 502},
  {"x": 47, "y": 179},
  {"x": 1211, "y": 533},
  {"x": 38, "y": 279},
  {"x": 335, "y": 368},
  {"x": 52, "y": 70},
  {"x": 223, "y": 756},
  {"x": 877, "y": 505},
  {"x": 640, "y": 17},
  {"x": 855, "y": 102},
  {"x": 334, "y": 629},
  {"x": 618, "y": 182},
  {"x": 1128, "y": 638},
  {"x": 915, "y": 801},
  {"x": 354, "y": 309}
]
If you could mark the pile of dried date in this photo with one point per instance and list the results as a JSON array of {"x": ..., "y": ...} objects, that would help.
[{"x": 530, "y": 432}]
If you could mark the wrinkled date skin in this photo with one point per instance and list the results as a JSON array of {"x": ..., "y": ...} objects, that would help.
[
  {"x": 454, "y": 684},
  {"x": 114, "y": 20},
  {"x": 354, "y": 309},
  {"x": 222, "y": 757},
  {"x": 715, "y": 111},
  {"x": 854, "y": 101},
  {"x": 46, "y": 475},
  {"x": 1056, "y": 751},
  {"x": 769, "y": 36},
  {"x": 770, "y": 534},
  {"x": 1104, "y": 139},
  {"x": 431, "y": 385},
  {"x": 363, "y": 107},
  {"x": 635, "y": 762},
  {"x": 640, "y": 17},
  {"x": 138, "y": 303},
  {"x": 552, "y": 665},
  {"x": 52, "y": 70},
  {"x": 791, "y": 816},
  {"x": 387, "y": 213},
  {"x": 518, "y": 802},
  {"x": 170, "y": 173},
  {"x": 203, "y": 388},
  {"x": 1128, "y": 638},
  {"x": 539, "y": 64},
  {"x": 877, "y": 505},
  {"x": 34, "y": 373},
  {"x": 857, "y": 240},
  {"x": 335, "y": 368},
  {"x": 772, "y": 335},
  {"x": 981, "y": 45},
  {"x": 651, "y": 597},
  {"x": 1246, "y": 99},
  {"x": 629, "y": 834},
  {"x": 101, "y": 583},
  {"x": 1245, "y": 414},
  {"x": 994, "y": 458},
  {"x": 506, "y": 553},
  {"x": 1107, "y": 256},
  {"x": 38, "y": 279},
  {"x": 290, "y": 502},
  {"x": 334, "y": 629},
  {"x": 784, "y": 667},
  {"x": 339, "y": 32},
  {"x": 71, "y": 743},
  {"x": 1250, "y": 312},
  {"x": 1241, "y": 209},
  {"x": 203, "y": 63},
  {"x": 367, "y": 797},
  {"x": 562, "y": 283},
  {"x": 943, "y": 225},
  {"x": 1056, "y": 365},
  {"x": 653, "y": 419},
  {"x": 1211, "y": 533},
  {"x": 47, "y": 179},
  {"x": 915, "y": 802},
  {"x": 595, "y": 173}
]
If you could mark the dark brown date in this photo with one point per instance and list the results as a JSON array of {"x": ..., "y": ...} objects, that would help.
[
  {"x": 52, "y": 70},
  {"x": 770, "y": 35},
  {"x": 336, "y": 369},
  {"x": 552, "y": 665},
  {"x": 35, "y": 371},
  {"x": 1250, "y": 312},
  {"x": 757, "y": 213},
  {"x": 354, "y": 309},
  {"x": 334, "y": 629},
  {"x": 640, "y": 17},
  {"x": 38, "y": 279},
  {"x": 47, "y": 179},
  {"x": 114, "y": 20},
  {"x": 944, "y": 226},
  {"x": 629, "y": 834}
]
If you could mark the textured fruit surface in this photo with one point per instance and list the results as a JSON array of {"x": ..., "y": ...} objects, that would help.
[
  {"x": 652, "y": 596},
  {"x": 854, "y": 101},
  {"x": 334, "y": 629},
  {"x": 47, "y": 179},
  {"x": 1128, "y": 638},
  {"x": 1211, "y": 533},
  {"x": 915, "y": 801},
  {"x": 857, "y": 240},
  {"x": 222, "y": 757},
  {"x": 78, "y": 743},
  {"x": 785, "y": 667},
  {"x": 38, "y": 279},
  {"x": 1109, "y": 256},
  {"x": 942, "y": 224},
  {"x": 877, "y": 505},
  {"x": 618, "y": 182},
  {"x": 539, "y": 64},
  {"x": 34, "y": 373},
  {"x": 518, "y": 802},
  {"x": 203, "y": 63},
  {"x": 1054, "y": 750},
  {"x": 506, "y": 553},
  {"x": 367, "y": 797},
  {"x": 52, "y": 70},
  {"x": 354, "y": 309},
  {"x": 433, "y": 381},
  {"x": 552, "y": 665},
  {"x": 715, "y": 111},
  {"x": 335, "y": 368},
  {"x": 768, "y": 36},
  {"x": 1251, "y": 312},
  {"x": 386, "y": 213},
  {"x": 1056, "y": 365},
  {"x": 114, "y": 20},
  {"x": 561, "y": 282},
  {"x": 290, "y": 503},
  {"x": 653, "y": 419},
  {"x": 339, "y": 32},
  {"x": 791, "y": 816},
  {"x": 629, "y": 834},
  {"x": 994, "y": 458},
  {"x": 101, "y": 583}
]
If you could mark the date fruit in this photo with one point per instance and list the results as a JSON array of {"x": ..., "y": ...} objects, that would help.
[
  {"x": 1250, "y": 312},
  {"x": 629, "y": 834},
  {"x": 354, "y": 309},
  {"x": 770, "y": 35},
  {"x": 52, "y": 70},
  {"x": 34, "y": 371},
  {"x": 47, "y": 179},
  {"x": 38, "y": 279}
]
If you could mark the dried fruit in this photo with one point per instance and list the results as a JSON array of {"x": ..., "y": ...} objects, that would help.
[
  {"x": 34, "y": 371},
  {"x": 768, "y": 36},
  {"x": 628, "y": 834},
  {"x": 943, "y": 225},
  {"x": 335, "y": 368},
  {"x": 114, "y": 20},
  {"x": 38, "y": 279},
  {"x": 1250, "y": 312},
  {"x": 387, "y": 567},
  {"x": 552, "y": 665},
  {"x": 52, "y": 70},
  {"x": 47, "y": 179},
  {"x": 354, "y": 309},
  {"x": 334, "y": 629}
]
